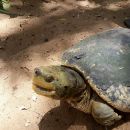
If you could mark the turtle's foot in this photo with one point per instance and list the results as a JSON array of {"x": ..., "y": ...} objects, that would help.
[{"x": 104, "y": 114}]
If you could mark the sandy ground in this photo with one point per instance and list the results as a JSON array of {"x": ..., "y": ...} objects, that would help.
[{"x": 39, "y": 37}]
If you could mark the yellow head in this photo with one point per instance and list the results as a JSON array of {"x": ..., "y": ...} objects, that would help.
[{"x": 57, "y": 82}]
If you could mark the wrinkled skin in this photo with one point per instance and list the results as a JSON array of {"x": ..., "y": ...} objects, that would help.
[{"x": 65, "y": 83}]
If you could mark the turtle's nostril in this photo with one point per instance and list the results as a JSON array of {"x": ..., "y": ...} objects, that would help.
[{"x": 37, "y": 71}]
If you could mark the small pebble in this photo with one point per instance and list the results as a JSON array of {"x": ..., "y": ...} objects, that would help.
[
  {"x": 34, "y": 98},
  {"x": 93, "y": 65},
  {"x": 2, "y": 48},
  {"x": 3, "y": 39},
  {"x": 46, "y": 40},
  {"x": 121, "y": 68},
  {"x": 28, "y": 123},
  {"x": 22, "y": 108}
]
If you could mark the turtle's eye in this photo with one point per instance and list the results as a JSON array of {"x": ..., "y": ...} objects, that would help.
[{"x": 49, "y": 79}]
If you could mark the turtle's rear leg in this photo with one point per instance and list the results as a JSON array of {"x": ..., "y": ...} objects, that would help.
[{"x": 103, "y": 113}]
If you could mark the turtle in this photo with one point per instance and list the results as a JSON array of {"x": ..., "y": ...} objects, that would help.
[{"x": 94, "y": 76}]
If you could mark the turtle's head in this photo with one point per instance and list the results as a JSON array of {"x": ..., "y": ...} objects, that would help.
[{"x": 58, "y": 82}]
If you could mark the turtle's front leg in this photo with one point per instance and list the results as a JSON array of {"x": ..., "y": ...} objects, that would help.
[{"x": 103, "y": 113}]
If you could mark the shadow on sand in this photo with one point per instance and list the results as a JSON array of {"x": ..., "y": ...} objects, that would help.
[{"x": 64, "y": 117}]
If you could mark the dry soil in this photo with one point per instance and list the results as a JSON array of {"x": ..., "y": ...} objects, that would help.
[{"x": 37, "y": 36}]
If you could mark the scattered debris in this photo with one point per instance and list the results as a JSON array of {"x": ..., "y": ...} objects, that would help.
[
  {"x": 105, "y": 19},
  {"x": 46, "y": 1},
  {"x": 62, "y": 19},
  {"x": 23, "y": 23},
  {"x": 14, "y": 87},
  {"x": 114, "y": 17},
  {"x": 121, "y": 68},
  {"x": 5, "y": 78},
  {"x": 34, "y": 98},
  {"x": 121, "y": 51},
  {"x": 93, "y": 65},
  {"x": 22, "y": 108},
  {"x": 57, "y": 119},
  {"x": 98, "y": 15},
  {"x": 2, "y": 48},
  {"x": 100, "y": 28},
  {"x": 24, "y": 68},
  {"x": 46, "y": 40},
  {"x": 27, "y": 123},
  {"x": 3, "y": 39}
]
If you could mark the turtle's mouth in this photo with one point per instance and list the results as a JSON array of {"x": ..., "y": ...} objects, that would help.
[{"x": 43, "y": 90}]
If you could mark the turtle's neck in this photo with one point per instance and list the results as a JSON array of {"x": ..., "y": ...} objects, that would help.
[{"x": 81, "y": 101}]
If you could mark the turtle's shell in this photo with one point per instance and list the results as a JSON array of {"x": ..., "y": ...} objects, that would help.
[{"x": 104, "y": 60}]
